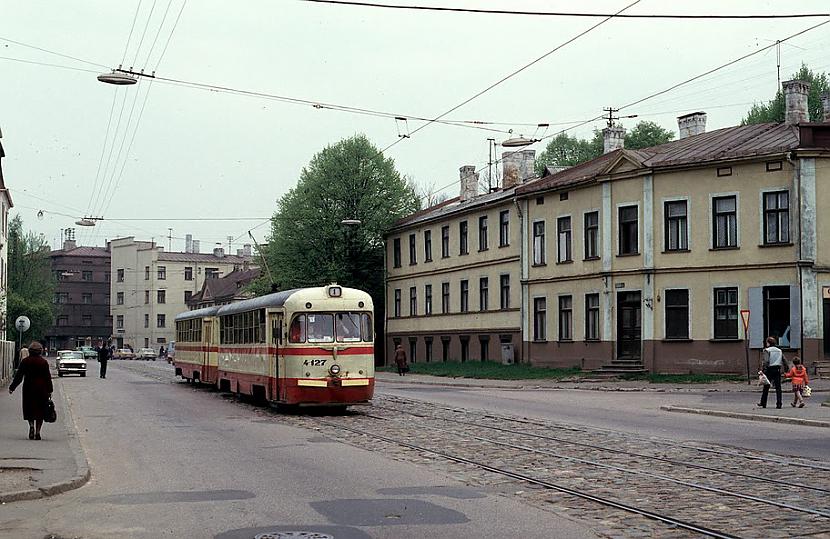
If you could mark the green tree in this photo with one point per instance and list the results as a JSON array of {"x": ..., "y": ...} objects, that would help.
[
  {"x": 773, "y": 110},
  {"x": 31, "y": 286},
  {"x": 309, "y": 246},
  {"x": 647, "y": 134}
]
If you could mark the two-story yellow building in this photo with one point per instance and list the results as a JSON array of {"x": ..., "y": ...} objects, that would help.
[{"x": 651, "y": 258}]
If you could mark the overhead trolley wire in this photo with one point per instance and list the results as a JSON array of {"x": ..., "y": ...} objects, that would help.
[
  {"x": 144, "y": 33},
  {"x": 158, "y": 33},
  {"x": 567, "y": 13},
  {"x": 130, "y": 36},
  {"x": 45, "y": 64},
  {"x": 52, "y": 52},
  {"x": 170, "y": 36}
]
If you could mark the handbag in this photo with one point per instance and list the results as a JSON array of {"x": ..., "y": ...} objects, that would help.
[
  {"x": 807, "y": 391},
  {"x": 50, "y": 415},
  {"x": 763, "y": 380}
]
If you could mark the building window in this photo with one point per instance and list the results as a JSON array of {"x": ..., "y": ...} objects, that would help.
[
  {"x": 445, "y": 297},
  {"x": 677, "y": 237},
  {"x": 591, "y": 317},
  {"x": 396, "y": 252},
  {"x": 119, "y": 298},
  {"x": 119, "y": 275},
  {"x": 483, "y": 293},
  {"x": 725, "y": 222},
  {"x": 465, "y": 295},
  {"x": 86, "y": 275},
  {"x": 726, "y": 313},
  {"x": 504, "y": 291},
  {"x": 777, "y": 314},
  {"x": 86, "y": 299},
  {"x": 539, "y": 319},
  {"x": 119, "y": 321},
  {"x": 677, "y": 314},
  {"x": 161, "y": 273},
  {"x": 146, "y": 273},
  {"x": 413, "y": 301},
  {"x": 412, "y": 255},
  {"x": 211, "y": 273},
  {"x": 146, "y": 320},
  {"x": 482, "y": 233},
  {"x": 161, "y": 296},
  {"x": 538, "y": 243},
  {"x": 629, "y": 234},
  {"x": 413, "y": 349},
  {"x": 188, "y": 273},
  {"x": 87, "y": 320},
  {"x": 160, "y": 320},
  {"x": 563, "y": 228},
  {"x": 445, "y": 348},
  {"x": 427, "y": 245},
  {"x": 187, "y": 295},
  {"x": 427, "y": 349},
  {"x": 397, "y": 310},
  {"x": 428, "y": 299},
  {"x": 146, "y": 297},
  {"x": 445, "y": 242},
  {"x": 63, "y": 321},
  {"x": 484, "y": 343},
  {"x": 504, "y": 228},
  {"x": 146, "y": 342},
  {"x": 463, "y": 248},
  {"x": 776, "y": 217},
  {"x": 565, "y": 318},
  {"x": 592, "y": 235},
  {"x": 107, "y": 277},
  {"x": 465, "y": 348}
]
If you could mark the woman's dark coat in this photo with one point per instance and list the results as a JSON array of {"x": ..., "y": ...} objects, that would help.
[
  {"x": 37, "y": 386},
  {"x": 400, "y": 358}
]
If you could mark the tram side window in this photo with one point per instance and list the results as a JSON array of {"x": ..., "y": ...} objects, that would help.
[
  {"x": 348, "y": 327},
  {"x": 320, "y": 328},
  {"x": 366, "y": 328},
  {"x": 297, "y": 331}
]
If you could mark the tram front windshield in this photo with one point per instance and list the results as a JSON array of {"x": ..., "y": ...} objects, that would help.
[{"x": 331, "y": 327}]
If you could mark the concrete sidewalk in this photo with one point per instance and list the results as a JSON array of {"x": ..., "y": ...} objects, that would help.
[{"x": 31, "y": 469}]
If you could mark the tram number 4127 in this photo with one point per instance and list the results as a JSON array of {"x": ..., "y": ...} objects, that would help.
[{"x": 315, "y": 362}]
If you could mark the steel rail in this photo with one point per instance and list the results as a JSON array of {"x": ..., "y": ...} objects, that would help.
[
  {"x": 545, "y": 484},
  {"x": 630, "y": 453}
]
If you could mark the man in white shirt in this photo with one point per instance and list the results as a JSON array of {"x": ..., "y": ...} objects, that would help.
[{"x": 773, "y": 363}]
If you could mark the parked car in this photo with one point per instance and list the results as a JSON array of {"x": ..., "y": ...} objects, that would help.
[
  {"x": 71, "y": 362},
  {"x": 123, "y": 353},
  {"x": 89, "y": 352},
  {"x": 146, "y": 353}
]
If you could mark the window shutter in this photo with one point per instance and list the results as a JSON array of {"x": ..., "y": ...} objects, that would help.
[
  {"x": 756, "y": 317},
  {"x": 795, "y": 316}
]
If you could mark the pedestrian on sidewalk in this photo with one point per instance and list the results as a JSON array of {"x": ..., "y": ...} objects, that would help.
[
  {"x": 772, "y": 364},
  {"x": 37, "y": 388},
  {"x": 798, "y": 376},
  {"x": 400, "y": 360},
  {"x": 103, "y": 356}
]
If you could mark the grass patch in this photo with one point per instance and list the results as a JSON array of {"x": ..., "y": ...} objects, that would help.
[
  {"x": 488, "y": 370},
  {"x": 684, "y": 378}
]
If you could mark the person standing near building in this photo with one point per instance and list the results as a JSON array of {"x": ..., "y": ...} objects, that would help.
[
  {"x": 772, "y": 365},
  {"x": 33, "y": 371},
  {"x": 400, "y": 360},
  {"x": 103, "y": 356}
]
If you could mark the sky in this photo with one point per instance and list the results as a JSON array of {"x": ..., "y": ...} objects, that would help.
[{"x": 214, "y": 164}]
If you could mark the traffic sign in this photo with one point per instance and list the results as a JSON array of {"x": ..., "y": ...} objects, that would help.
[
  {"x": 22, "y": 324},
  {"x": 745, "y": 318}
]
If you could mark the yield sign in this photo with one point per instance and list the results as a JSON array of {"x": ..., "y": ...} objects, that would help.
[{"x": 745, "y": 318}]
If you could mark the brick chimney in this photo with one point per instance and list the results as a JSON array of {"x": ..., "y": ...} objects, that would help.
[
  {"x": 469, "y": 183},
  {"x": 690, "y": 125},
  {"x": 795, "y": 101},
  {"x": 825, "y": 105},
  {"x": 613, "y": 138},
  {"x": 69, "y": 244},
  {"x": 517, "y": 167}
]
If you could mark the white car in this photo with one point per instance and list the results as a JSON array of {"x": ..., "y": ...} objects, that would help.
[
  {"x": 146, "y": 353},
  {"x": 71, "y": 362}
]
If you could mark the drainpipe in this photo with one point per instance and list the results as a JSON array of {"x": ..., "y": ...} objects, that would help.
[
  {"x": 796, "y": 164},
  {"x": 523, "y": 274}
]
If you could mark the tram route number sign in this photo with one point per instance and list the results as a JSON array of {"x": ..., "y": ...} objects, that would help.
[{"x": 745, "y": 319}]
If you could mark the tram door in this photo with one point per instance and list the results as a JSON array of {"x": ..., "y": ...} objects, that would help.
[
  {"x": 276, "y": 340},
  {"x": 207, "y": 332}
]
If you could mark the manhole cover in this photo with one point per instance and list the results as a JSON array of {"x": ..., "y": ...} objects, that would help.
[{"x": 293, "y": 535}]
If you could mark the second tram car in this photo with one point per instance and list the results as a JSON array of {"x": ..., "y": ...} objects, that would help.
[
  {"x": 196, "y": 350},
  {"x": 308, "y": 346}
]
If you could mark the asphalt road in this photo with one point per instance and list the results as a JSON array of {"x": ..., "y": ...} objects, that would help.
[
  {"x": 171, "y": 460},
  {"x": 634, "y": 412}
]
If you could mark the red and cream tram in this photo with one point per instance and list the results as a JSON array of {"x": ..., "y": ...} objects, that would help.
[
  {"x": 308, "y": 346},
  {"x": 196, "y": 350}
]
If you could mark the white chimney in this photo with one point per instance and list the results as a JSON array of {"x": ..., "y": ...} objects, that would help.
[
  {"x": 219, "y": 252},
  {"x": 690, "y": 125},
  {"x": 246, "y": 249},
  {"x": 239, "y": 253},
  {"x": 825, "y": 105},
  {"x": 188, "y": 243},
  {"x": 469, "y": 183},
  {"x": 795, "y": 101},
  {"x": 195, "y": 248},
  {"x": 517, "y": 167},
  {"x": 613, "y": 138}
]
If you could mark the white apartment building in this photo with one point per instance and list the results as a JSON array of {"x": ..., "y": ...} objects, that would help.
[{"x": 150, "y": 286}]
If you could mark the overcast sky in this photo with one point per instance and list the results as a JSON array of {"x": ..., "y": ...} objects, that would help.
[{"x": 205, "y": 154}]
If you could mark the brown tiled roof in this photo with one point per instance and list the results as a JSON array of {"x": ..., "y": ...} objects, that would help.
[
  {"x": 202, "y": 257},
  {"x": 721, "y": 144},
  {"x": 224, "y": 287},
  {"x": 85, "y": 252}
]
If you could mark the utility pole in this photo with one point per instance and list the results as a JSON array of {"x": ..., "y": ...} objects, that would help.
[
  {"x": 169, "y": 239},
  {"x": 491, "y": 143}
]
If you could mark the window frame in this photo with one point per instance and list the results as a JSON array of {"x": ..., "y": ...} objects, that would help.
[
  {"x": 540, "y": 319},
  {"x": 504, "y": 228},
  {"x": 504, "y": 291},
  {"x": 713, "y": 223},
  {"x": 593, "y": 311},
  {"x": 464, "y": 295},
  {"x": 396, "y": 252},
  {"x": 161, "y": 273},
  {"x": 463, "y": 238},
  {"x": 681, "y": 223},
  {"x": 669, "y": 308},
  {"x": 728, "y": 305},
  {"x": 483, "y": 240},
  {"x": 445, "y": 298},
  {"x": 413, "y": 301},
  {"x": 428, "y": 299},
  {"x": 413, "y": 254},
  {"x": 445, "y": 241},
  {"x": 538, "y": 245},
  {"x": 427, "y": 245},
  {"x": 396, "y": 306},
  {"x": 765, "y": 212},
  {"x": 591, "y": 236},
  {"x": 565, "y": 318},
  {"x": 483, "y": 293},
  {"x": 567, "y": 235},
  {"x": 623, "y": 230}
]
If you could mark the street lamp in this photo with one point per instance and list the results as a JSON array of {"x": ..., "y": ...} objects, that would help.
[
  {"x": 118, "y": 78},
  {"x": 351, "y": 222},
  {"x": 518, "y": 142}
]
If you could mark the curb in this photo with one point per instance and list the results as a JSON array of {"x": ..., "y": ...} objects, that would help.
[
  {"x": 748, "y": 417},
  {"x": 78, "y": 480}
]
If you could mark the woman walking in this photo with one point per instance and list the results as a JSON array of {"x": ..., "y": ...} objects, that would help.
[
  {"x": 400, "y": 360},
  {"x": 37, "y": 388},
  {"x": 798, "y": 376}
]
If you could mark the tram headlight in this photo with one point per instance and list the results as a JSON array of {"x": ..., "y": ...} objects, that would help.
[{"x": 334, "y": 369}]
